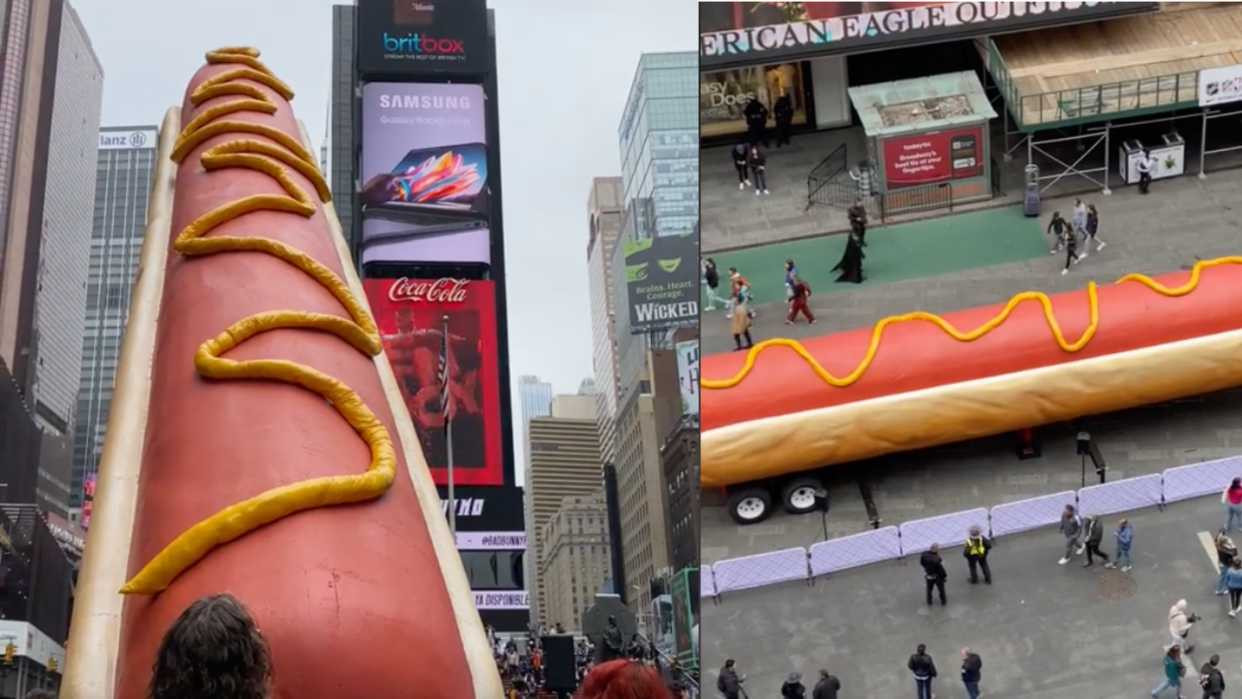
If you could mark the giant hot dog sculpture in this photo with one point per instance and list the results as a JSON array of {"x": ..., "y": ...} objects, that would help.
[
  {"x": 266, "y": 451},
  {"x": 920, "y": 380}
]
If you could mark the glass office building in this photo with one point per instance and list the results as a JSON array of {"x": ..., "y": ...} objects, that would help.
[
  {"x": 122, "y": 185},
  {"x": 659, "y": 137}
]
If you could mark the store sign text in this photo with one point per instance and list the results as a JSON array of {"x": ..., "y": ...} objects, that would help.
[
  {"x": 875, "y": 25},
  {"x": 725, "y": 94}
]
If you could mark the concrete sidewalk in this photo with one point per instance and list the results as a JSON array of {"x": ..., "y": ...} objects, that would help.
[{"x": 1043, "y": 631}]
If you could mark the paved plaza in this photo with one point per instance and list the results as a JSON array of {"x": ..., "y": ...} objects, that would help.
[{"x": 1043, "y": 631}]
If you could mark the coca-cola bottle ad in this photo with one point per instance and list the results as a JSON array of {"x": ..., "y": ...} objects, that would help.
[{"x": 410, "y": 313}]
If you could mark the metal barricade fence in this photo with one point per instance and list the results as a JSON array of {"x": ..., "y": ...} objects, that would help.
[
  {"x": 829, "y": 182},
  {"x": 1210, "y": 478},
  {"x": 916, "y": 199}
]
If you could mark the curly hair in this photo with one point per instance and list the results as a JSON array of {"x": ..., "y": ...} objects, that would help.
[
  {"x": 213, "y": 651},
  {"x": 624, "y": 679}
]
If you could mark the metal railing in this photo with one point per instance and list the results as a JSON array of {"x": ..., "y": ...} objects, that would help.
[
  {"x": 1091, "y": 104},
  {"x": 916, "y": 199},
  {"x": 824, "y": 181}
]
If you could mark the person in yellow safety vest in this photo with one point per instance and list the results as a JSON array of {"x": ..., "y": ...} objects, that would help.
[{"x": 976, "y": 552}]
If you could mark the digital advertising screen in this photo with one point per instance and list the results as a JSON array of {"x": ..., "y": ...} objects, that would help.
[
  {"x": 422, "y": 36},
  {"x": 426, "y": 197},
  {"x": 410, "y": 313},
  {"x": 491, "y": 540}
]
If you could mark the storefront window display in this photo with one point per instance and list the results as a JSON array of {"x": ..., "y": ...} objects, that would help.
[{"x": 724, "y": 94}]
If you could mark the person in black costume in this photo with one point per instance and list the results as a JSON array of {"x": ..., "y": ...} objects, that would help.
[
  {"x": 858, "y": 221},
  {"x": 741, "y": 163},
  {"x": 756, "y": 122},
  {"x": 850, "y": 265},
  {"x": 783, "y": 113},
  {"x": 934, "y": 573}
]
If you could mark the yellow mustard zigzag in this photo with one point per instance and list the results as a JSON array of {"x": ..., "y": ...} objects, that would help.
[
  {"x": 361, "y": 332},
  {"x": 878, "y": 332}
]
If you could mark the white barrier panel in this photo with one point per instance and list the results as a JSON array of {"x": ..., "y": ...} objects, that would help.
[
  {"x": 1033, "y": 513},
  {"x": 1198, "y": 480},
  {"x": 947, "y": 530},
  {"x": 1121, "y": 496},
  {"x": 707, "y": 583},
  {"x": 761, "y": 570},
  {"x": 855, "y": 551}
]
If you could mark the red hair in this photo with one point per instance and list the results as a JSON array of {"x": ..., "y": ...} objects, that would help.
[{"x": 624, "y": 679}]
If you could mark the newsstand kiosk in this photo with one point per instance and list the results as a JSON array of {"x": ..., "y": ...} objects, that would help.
[{"x": 928, "y": 140}]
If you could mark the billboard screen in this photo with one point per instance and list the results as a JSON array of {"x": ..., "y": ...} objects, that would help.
[
  {"x": 484, "y": 510},
  {"x": 491, "y": 539},
  {"x": 409, "y": 313},
  {"x": 939, "y": 156},
  {"x": 662, "y": 282},
  {"x": 421, "y": 37},
  {"x": 775, "y": 32},
  {"x": 424, "y": 168}
]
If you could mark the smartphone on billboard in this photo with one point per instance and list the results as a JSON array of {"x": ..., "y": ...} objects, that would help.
[
  {"x": 410, "y": 304},
  {"x": 431, "y": 190}
]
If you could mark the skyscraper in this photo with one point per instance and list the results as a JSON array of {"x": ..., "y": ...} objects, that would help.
[
  {"x": 605, "y": 207},
  {"x": 67, "y": 215},
  {"x": 536, "y": 397},
  {"x": 125, "y": 170},
  {"x": 575, "y": 558},
  {"x": 341, "y": 118},
  {"x": 38, "y": 40},
  {"x": 564, "y": 462}
]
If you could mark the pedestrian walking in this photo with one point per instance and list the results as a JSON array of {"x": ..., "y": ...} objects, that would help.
[
  {"x": 793, "y": 687},
  {"x": 1080, "y": 225},
  {"x": 1093, "y": 228},
  {"x": 730, "y": 683},
  {"x": 741, "y": 316},
  {"x": 858, "y": 221},
  {"x": 1233, "y": 585},
  {"x": 1180, "y": 623},
  {"x": 1226, "y": 552},
  {"x": 1173, "y": 671},
  {"x": 972, "y": 672},
  {"x": 783, "y": 114},
  {"x": 1232, "y": 500},
  {"x": 1071, "y": 251},
  {"x": 791, "y": 271},
  {"x": 924, "y": 670},
  {"x": 1211, "y": 679},
  {"x": 934, "y": 573},
  {"x": 758, "y": 163},
  {"x": 828, "y": 686},
  {"x": 1146, "y": 166},
  {"x": 741, "y": 163},
  {"x": 1094, "y": 536},
  {"x": 756, "y": 115},
  {"x": 1057, "y": 228},
  {"x": 1125, "y": 537},
  {"x": 798, "y": 302},
  {"x": 711, "y": 282},
  {"x": 1071, "y": 528},
  {"x": 976, "y": 553}
]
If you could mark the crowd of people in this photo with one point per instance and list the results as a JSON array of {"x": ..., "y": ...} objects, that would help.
[{"x": 1074, "y": 238}]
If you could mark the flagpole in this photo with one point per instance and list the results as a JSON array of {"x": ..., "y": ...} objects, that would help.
[{"x": 448, "y": 441}]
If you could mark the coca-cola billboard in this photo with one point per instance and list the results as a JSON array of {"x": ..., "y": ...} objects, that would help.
[{"x": 410, "y": 314}]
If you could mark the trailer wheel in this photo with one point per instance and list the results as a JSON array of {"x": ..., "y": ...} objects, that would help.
[
  {"x": 798, "y": 495},
  {"x": 749, "y": 505}
]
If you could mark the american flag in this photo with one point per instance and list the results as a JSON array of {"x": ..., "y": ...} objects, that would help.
[{"x": 443, "y": 373}]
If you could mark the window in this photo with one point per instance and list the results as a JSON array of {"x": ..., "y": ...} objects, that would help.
[{"x": 115, "y": 293}]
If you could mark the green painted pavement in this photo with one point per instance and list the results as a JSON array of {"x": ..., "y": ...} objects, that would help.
[{"x": 896, "y": 253}]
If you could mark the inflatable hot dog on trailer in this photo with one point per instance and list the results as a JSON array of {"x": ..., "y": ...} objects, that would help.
[
  {"x": 787, "y": 407},
  {"x": 258, "y": 443}
]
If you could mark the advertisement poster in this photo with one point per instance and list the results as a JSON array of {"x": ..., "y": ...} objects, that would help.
[
  {"x": 425, "y": 194},
  {"x": 730, "y": 32},
  {"x": 724, "y": 94},
  {"x": 421, "y": 37},
  {"x": 688, "y": 376},
  {"x": 88, "y": 501},
  {"x": 662, "y": 278},
  {"x": 1220, "y": 85},
  {"x": 409, "y": 313},
  {"x": 933, "y": 157}
]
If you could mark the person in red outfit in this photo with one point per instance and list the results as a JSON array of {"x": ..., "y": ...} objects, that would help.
[{"x": 800, "y": 293}]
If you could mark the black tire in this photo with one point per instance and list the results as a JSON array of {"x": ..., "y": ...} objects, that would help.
[
  {"x": 798, "y": 494},
  {"x": 749, "y": 505}
]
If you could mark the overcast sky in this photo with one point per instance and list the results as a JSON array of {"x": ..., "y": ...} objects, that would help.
[{"x": 565, "y": 72}]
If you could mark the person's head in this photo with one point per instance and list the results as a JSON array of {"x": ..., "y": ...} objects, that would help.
[
  {"x": 794, "y": 678},
  {"x": 1056, "y": 214},
  {"x": 935, "y": 548},
  {"x": 1180, "y": 606},
  {"x": 965, "y": 653},
  {"x": 1069, "y": 509},
  {"x": 974, "y": 532},
  {"x": 625, "y": 679},
  {"x": 1237, "y": 563},
  {"x": 1123, "y": 523},
  {"x": 711, "y": 264},
  {"x": 1175, "y": 651},
  {"x": 214, "y": 649},
  {"x": 733, "y": 271},
  {"x": 922, "y": 648},
  {"x": 1214, "y": 660},
  {"x": 824, "y": 674},
  {"x": 1237, "y": 483},
  {"x": 789, "y": 264},
  {"x": 1091, "y": 208},
  {"x": 730, "y": 664},
  {"x": 1077, "y": 203}
]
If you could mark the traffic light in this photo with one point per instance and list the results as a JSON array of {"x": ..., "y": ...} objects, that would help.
[
  {"x": 51, "y": 665},
  {"x": 9, "y": 651}
]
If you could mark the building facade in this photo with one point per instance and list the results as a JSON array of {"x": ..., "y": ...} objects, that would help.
[
  {"x": 536, "y": 397},
  {"x": 680, "y": 457},
  {"x": 605, "y": 208},
  {"x": 564, "y": 462},
  {"x": 342, "y": 138},
  {"x": 67, "y": 215},
  {"x": 575, "y": 558},
  {"x": 659, "y": 139},
  {"x": 124, "y": 175}
]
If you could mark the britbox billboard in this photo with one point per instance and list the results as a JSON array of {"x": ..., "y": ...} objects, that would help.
[{"x": 421, "y": 37}]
